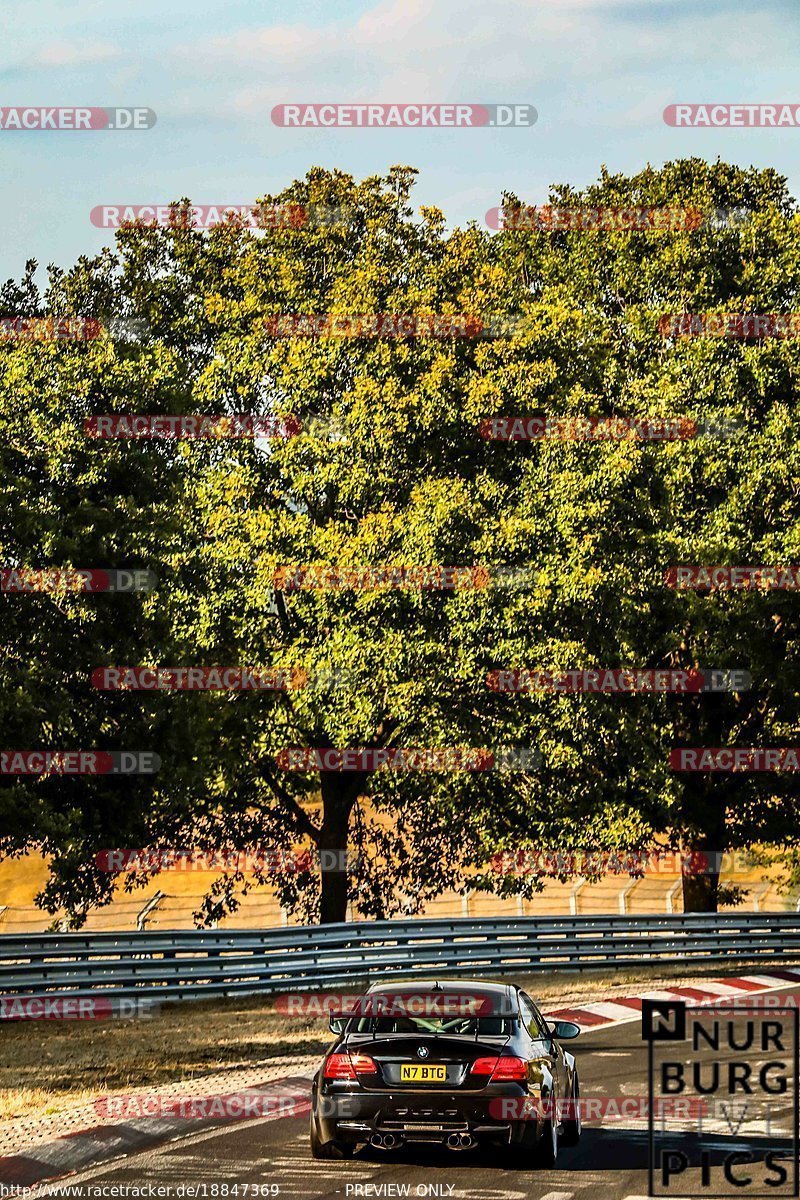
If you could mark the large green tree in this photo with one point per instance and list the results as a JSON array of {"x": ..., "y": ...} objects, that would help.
[
  {"x": 631, "y": 510},
  {"x": 390, "y": 469},
  {"x": 67, "y": 501}
]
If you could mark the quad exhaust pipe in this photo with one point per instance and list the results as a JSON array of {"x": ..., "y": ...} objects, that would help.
[
  {"x": 460, "y": 1141},
  {"x": 390, "y": 1141},
  {"x": 385, "y": 1141}
]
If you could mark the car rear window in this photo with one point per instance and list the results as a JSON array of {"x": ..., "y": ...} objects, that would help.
[
  {"x": 466, "y": 1012},
  {"x": 454, "y": 1026}
]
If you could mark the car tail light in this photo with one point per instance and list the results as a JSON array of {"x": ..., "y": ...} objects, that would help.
[
  {"x": 363, "y": 1064},
  {"x": 339, "y": 1066},
  {"x": 484, "y": 1066},
  {"x": 505, "y": 1069},
  {"x": 348, "y": 1066},
  {"x": 510, "y": 1069}
]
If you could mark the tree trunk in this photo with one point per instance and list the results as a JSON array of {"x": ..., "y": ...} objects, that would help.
[
  {"x": 703, "y": 844},
  {"x": 338, "y": 797},
  {"x": 700, "y": 891},
  {"x": 703, "y": 721}
]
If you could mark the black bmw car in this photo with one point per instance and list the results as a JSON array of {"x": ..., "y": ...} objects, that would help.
[{"x": 455, "y": 1063}]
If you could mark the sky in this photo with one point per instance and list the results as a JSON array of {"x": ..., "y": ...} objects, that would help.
[{"x": 599, "y": 72}]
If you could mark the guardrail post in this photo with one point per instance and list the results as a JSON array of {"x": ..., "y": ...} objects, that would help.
[
  {"x": 623, "y": 896},
  {"x": 573, "y": 898},
  {"x": 672, "y": 891}
]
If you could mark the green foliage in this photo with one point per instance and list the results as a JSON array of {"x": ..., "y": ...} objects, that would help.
[{"x": 390, "y": 469}]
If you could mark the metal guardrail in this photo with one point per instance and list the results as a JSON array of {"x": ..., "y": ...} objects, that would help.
[{"x": 176, "y": 964}]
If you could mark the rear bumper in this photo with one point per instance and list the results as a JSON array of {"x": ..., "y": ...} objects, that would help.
[{"x": 420, "y": 1116}]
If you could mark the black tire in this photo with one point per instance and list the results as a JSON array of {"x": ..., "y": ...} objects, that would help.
[
  {"x": 546, "y": 1150},
  {"x": 327, "y": 1150},
  {"x": 571, "y": 1129}
]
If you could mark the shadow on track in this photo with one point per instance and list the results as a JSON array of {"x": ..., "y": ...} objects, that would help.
[{"x": 605, "y": 1149}]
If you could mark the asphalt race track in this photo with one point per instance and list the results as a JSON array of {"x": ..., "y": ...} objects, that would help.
[{"x": 609, "y": 1164}]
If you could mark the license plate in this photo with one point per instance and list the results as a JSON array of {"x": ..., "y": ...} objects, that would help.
[{"x": 427, "y": 1074}]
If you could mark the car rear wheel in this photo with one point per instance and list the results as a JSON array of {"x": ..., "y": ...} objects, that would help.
[
  {"x": 328, "y": 1150},
  {"x": 571, "y": 1129},
  {"x": 541, "y": 1151},
  {"x": 546, "y": 1150}
]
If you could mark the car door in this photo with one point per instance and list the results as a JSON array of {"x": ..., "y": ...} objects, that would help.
[{"x": 544, "y": 1047}]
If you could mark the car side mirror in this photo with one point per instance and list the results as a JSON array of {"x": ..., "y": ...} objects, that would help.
[
  {"x": 337, "y": 1024},
  {"x": 562, "y": 1031}
]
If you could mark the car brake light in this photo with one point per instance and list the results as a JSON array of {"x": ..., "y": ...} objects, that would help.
[
  {"x": 484, "y": 1066},
  {"x": 363, "y": 1064},
  {"x": 339, "y": 1066},
  {"x": 505, "y": 1069},
  {"x": 509, "y": 1068},
  {"x": 348, "y": 1066}
]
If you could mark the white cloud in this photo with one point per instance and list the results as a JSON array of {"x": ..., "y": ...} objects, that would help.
[
  {"x": 293, "y": 43},
  {"x": 71, "y": 54},
  {"x": 487, "y": 50}
]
